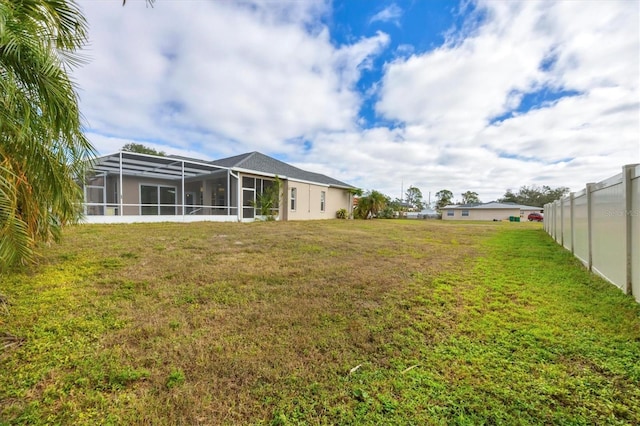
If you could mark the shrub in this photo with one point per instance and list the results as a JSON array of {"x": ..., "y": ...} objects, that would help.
[
  {"x": 341, "y": 214},
  {"x": 386, "y": 213}
]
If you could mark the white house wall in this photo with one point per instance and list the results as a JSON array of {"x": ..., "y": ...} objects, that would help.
[
  {"x": 308, "y": 201},
  {"x": 337, "y": 199},
  {"x": 481, "y": 214}
]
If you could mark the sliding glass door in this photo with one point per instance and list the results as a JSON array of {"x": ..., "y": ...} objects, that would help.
[{"x": 157, "y": 199}]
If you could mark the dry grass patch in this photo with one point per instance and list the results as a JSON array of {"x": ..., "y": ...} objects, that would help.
[{"x": 262, "y": 323}]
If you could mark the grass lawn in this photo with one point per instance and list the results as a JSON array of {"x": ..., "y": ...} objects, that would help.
[{"x": 324, "y": 322}]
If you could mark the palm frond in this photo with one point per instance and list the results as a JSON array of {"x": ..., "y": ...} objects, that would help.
[{"x": 42, "y": 148}]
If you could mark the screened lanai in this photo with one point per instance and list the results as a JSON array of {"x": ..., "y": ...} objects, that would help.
[{"x": 128, "y": 187}]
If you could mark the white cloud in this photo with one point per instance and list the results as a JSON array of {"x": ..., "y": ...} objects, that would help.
[
  {"x": 221, "y": 78},
  {"x": 453, "y": 92},
  {"x": 456, "y": 88},
  {"x": 109, "y": 145},
  {"x": 391, "y": 13}
]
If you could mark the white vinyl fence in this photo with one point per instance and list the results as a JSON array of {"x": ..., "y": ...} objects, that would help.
[{"x": 600, "y": 225}]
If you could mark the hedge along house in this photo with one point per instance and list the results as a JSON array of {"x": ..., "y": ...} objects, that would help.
[
  {"x": 487, "y": 211},
  {"x": 130, "y": 187}
]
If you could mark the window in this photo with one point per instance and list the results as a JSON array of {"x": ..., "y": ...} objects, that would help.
[
  {"x": 322, "y": 200},
  {"x": 248, "y": 182},
  {"x": 465, "y": 213},
  {"x": 449, "y": 212},
  {"x": 293, "y": 199},
  {"x": 157, "y": 199}
]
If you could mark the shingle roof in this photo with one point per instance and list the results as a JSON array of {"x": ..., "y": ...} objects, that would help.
[{"x": 259, "y": 162}]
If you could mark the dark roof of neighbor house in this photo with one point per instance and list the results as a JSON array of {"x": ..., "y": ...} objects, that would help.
[
  {"x": 492, "y": 205},
  {"x": 256, "y": 161}
]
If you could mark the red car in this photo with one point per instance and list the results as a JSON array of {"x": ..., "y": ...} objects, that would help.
[{"x": 538, "y": 217}]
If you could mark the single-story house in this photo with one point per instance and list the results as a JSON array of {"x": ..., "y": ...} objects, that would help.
[
  {"x": 132, "y": 187},
  {"x": 487, "y": 211}
]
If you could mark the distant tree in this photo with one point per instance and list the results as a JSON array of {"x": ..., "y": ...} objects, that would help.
[
  {"x": 395, "y": 204},
  {"x": 414, "y": 197},
  {"x": 443, "y": 198},
  {"x": 509, "y": 197},
  {"x": 370, "y": 204},
  {"x": 470, "y": 197},
  {"x": 534, "y": 195},
  {"x": 142, "y": 149}
]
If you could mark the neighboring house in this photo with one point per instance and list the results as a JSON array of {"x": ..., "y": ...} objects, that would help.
[
  {"x": 426, "y": 213},
  {"x": 487, "y": 211},
  {"x": 132, "y": 187}
]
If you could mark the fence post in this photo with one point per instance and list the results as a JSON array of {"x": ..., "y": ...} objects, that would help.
[
  {"x": 590, "y": 187},
  {"x": 555, "y": 220},
  {"x": 548, "y": 217},
  {"x": 562, "y": 222},
  {"x": 553, "y": 223},
  {"x": 627, "y": 194},
  {"x": 571, "y": 224}
]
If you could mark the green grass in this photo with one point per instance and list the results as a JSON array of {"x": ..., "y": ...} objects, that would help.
[{"x": 327, "y": 322}]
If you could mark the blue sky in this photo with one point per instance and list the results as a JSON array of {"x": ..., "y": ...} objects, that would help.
[
  {"x": 413, "y": 27},
  {"x": 475, "y": 95}
]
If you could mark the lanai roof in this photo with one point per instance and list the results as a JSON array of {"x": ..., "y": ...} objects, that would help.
[
  {"x": 136, "y": 164},
  {"x": 173, "y": 167}
]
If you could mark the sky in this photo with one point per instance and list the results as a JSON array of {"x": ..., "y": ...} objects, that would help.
[{"x": 479, "y": 96}]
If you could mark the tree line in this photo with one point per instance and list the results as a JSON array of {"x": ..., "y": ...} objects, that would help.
[
  {"x": 535, "y": 196},
  {"x": 376, "y": 204}
]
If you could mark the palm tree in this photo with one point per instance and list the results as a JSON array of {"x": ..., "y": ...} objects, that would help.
[
  {"x": 42, "y": 149},
  {"x": 370, "y": 204}
]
